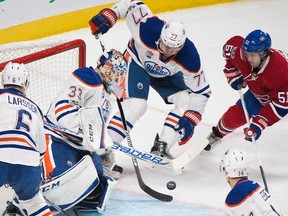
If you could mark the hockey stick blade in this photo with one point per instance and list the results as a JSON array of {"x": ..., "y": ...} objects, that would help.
[
  {"x": 144, "y": 156},
  {"x": 186, "y": 157},
  {"x": 148, "y": 190},
  {"x": 175, "y": 164}
]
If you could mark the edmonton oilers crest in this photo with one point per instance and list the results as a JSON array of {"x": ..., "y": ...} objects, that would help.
[
  {"x": 156, "y": 70},
  {"x": 106, "y": 108}
]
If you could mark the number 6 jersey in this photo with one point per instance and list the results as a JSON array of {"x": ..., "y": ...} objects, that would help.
[{"x": 22, "y": 139}]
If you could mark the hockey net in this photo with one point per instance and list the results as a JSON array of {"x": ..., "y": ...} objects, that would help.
[{"x": 49, "y": 64}]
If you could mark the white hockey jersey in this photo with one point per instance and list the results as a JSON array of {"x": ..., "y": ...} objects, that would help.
[
  {"x": 22, "y": 139},
  {"x": 247, "y": 198},
  {"x": 146, "y": 29},
  {"x": 83, "y": 89}
]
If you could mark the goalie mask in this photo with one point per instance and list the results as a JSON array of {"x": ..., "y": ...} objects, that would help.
[
  {"x": 15, "y": 74},
  {"x": 113, "y": 68},
  {"x": 235, "y": 163}
]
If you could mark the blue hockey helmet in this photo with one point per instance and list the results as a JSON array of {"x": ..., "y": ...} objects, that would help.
[{"x": 257, "y": 41}]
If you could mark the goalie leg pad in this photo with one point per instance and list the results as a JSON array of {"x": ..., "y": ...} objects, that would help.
[
  {"x": 72, "y": 186},
  {"x": 99, "y": 198},
  {"x": 108, "y": 185}
]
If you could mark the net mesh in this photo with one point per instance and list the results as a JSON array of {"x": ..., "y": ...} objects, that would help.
[{"x": 49, "y": 64}]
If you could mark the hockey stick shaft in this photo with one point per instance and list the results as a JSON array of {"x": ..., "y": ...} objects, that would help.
[
  {"x": 55, "y": 206},
  {"x": 143, "y": 186},
  {"x": 253, "y": 139}
]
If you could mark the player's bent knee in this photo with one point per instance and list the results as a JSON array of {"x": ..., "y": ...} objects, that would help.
[{"x": 134, "y": 108}]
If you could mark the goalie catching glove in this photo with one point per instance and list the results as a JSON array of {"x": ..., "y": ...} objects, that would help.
[
  {"x": 186, "y": 124},
  {"x": 258, "y": 124},
  {"x": 103, "y": 21}
]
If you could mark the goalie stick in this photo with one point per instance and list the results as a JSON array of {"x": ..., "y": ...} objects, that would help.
[
  {"x": 143, "y": 186},
  {"x": 178, "y": 163}
]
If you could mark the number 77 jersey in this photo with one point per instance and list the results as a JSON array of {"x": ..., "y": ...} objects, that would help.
[{"x": 143, "y": 47}]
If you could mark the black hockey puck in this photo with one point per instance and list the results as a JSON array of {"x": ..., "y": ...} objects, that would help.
[{"x": 171, "y": 185}]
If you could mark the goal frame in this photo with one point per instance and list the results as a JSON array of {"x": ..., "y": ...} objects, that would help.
[{"x": 78, "y": 43}]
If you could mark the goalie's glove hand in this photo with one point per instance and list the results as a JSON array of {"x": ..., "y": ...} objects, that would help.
[
  {"x": 103, "y": 21},
  {"x": 186, "y": 124},
  {"x": 258, "y": 124}
]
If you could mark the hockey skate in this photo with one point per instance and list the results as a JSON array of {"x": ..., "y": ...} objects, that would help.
[
  {"x": 160, "y": 148},
  {"x": 110, "y": 167},
  {"x": 214, "y": 138}
]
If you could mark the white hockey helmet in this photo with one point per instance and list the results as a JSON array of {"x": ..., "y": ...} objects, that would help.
[
  {"x": 15, "y": 74},
  {"x": 173, "y": 34},
  {"x": 235, "y": 163}
]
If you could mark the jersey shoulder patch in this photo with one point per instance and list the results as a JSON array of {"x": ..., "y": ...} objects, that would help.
[{"x": 88, "y": 76}]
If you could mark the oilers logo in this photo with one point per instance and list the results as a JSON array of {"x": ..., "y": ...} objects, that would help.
[
  {"x": 106, "y": 108},
  {"x": 156, "y": 70}
]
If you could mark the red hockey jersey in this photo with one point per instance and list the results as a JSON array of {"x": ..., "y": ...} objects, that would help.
[{"x": 269, "y": 85}]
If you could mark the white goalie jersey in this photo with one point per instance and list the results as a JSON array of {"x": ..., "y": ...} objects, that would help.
[{"x": 83, "y": 89}]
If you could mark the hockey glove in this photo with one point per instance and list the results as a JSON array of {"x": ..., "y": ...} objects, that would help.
[
  {"x": 186, "y": 124},
  {"x": 103, "y": 21},
  {"x": 258, "y": 124},
  {"x": 235, "y": 79}
]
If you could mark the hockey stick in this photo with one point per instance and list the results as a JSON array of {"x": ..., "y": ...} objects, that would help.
[
  {"x": 55, "y": 206},
  {"x": 143, "y": 186},
  {"x": 178, "y": 163},
  {"x": 253, "y": 139}
]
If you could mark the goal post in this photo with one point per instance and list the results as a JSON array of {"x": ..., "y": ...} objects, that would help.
[{"x": 49, "y": 64}]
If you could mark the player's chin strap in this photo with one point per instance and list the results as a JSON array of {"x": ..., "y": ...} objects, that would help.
[{"x": 253, "y": 139}]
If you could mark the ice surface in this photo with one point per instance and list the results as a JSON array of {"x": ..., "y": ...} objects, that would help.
[{"x": 201, "y": 190}]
